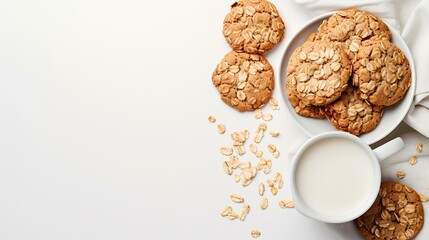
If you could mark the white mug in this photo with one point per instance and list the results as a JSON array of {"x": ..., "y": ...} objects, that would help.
[{"x": 336, "y": 176}]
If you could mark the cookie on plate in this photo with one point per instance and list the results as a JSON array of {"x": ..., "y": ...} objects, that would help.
[
  {"x": 381, "y": 72},
  {"x": 351, "y": 114},
  {"x": 244, "y": 81},
  {"x": 397, "y": 214},
  {"x": 353, "y": 22},
  {"x": 253, "y": 26},
  {"x": 304, "y": 108},
  {"x": 318, "y": 72}
]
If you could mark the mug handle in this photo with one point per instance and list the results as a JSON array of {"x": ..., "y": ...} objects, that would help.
[{"x": 388, "y": 149}]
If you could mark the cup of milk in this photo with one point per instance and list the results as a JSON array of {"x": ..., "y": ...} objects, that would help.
[{"x": 336, "y": 176}]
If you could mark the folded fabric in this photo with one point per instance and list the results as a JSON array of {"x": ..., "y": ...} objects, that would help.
[
  {"x": 415, "y": 33},
  {"x": 385, "y": 9}
]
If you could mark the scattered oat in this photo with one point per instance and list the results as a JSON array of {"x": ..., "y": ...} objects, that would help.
[
  {"x": 419, "y": 148},
  {"x": 221, "y": 129},
  {"x": 271, "y": 148},
  {"x": 274, "y": 190},
  {"x": 232, "y": 215},
  {"x": 237, "y": 198},
  {"x": 413, "y": 160},
  {"x": 270, "y": 183},
  {"x": 237, "y": 178},
  {"x": 253, "y": 148},
  {"x": 240, "y": 150},
  {"x": 258, "y": 113},
  {"x": 400, "y": 174},
  {"x": 259, "y": 153},
  {"x": 277, "y": 176},
  {"x": 286, "y": 204},
  {"x": 244, "y": 212},
  {"x": 227, "y": 210},
  {"x": 280, "y": 184},
  {"x": 233, "y": 161},
  {"x": 227, "y": 151},
  {"x": 261, "y": 189},
  {"x": 267, "y": 117},
  {"x": 212, "y": 119},
  {"x": 274, "y": 133},
  {"x": 227, "y": 168},
  {"x": 276, "y": 154},
  {"x": 264, "y": 203},
  {"x": 423, "y": 197},
  {"x": 259, "y": 133},
  {"x": 244, "y": 165},
  {"x": 274, "y": 104},
  {"x": 255, "y": 233}
]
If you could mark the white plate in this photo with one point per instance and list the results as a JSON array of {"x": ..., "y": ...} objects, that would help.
[{"x": 392, "y": 115}]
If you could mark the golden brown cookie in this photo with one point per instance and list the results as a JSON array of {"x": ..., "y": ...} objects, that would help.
[
  {"x": 302, "y": 107},
  {"x": 318, "y": 72},
  {"x": 244, "y": 81},
  {"x": 353, "y": 22},
  {"x": 253, "y": 26},
  {"x": 353, "y": 115},
  {"x": 381, "y": 72},
  {"x": 397, "y": 214}
]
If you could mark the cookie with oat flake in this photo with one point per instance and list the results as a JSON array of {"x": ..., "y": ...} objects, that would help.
[
  {"x": 253, "y": 26},
  {"x": 244, "y": 81}
]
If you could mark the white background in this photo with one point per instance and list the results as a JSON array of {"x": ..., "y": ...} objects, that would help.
[{"x": 103, "y": 123}]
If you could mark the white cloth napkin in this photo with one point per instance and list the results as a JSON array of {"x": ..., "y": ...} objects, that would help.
[{"x": 415, "y": 33}]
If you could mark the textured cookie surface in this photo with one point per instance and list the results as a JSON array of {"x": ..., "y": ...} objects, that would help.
[
  {"x": 381, "y": 72},
  {"x": 303, "y": 107},
  {"x": 353, "y": 22},
  {"x": 244, "y": 81},
  {"x": 351, "y": 114},
  {"x": 318, "y": 72},
  {"x": 253, "y": 26},
  {"x": 397, "y": 214}
]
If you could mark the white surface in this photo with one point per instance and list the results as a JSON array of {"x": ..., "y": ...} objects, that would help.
[
  {"x": 392, "y": 115},
  {"x": 103, "y": 127}
]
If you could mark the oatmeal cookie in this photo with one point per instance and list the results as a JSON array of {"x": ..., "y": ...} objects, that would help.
[
  {"x": 253, "y": 26},
  {"x": 244, "y": 81},
  {"x": 318, "y": 72},
  {"x": 381, "y": 72},
  {"x": 304, "y": 108},
  {"x": 349, "y": 28},
  {"x": 353, "y": 115},
  {"x": 353, "y": 22},
  {"x": 397, "y": 214}
]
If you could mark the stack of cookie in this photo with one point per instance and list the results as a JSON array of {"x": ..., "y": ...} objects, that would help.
[
  {"x": 244, "y": 78},
  {"x": 347, "y": 72}
]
